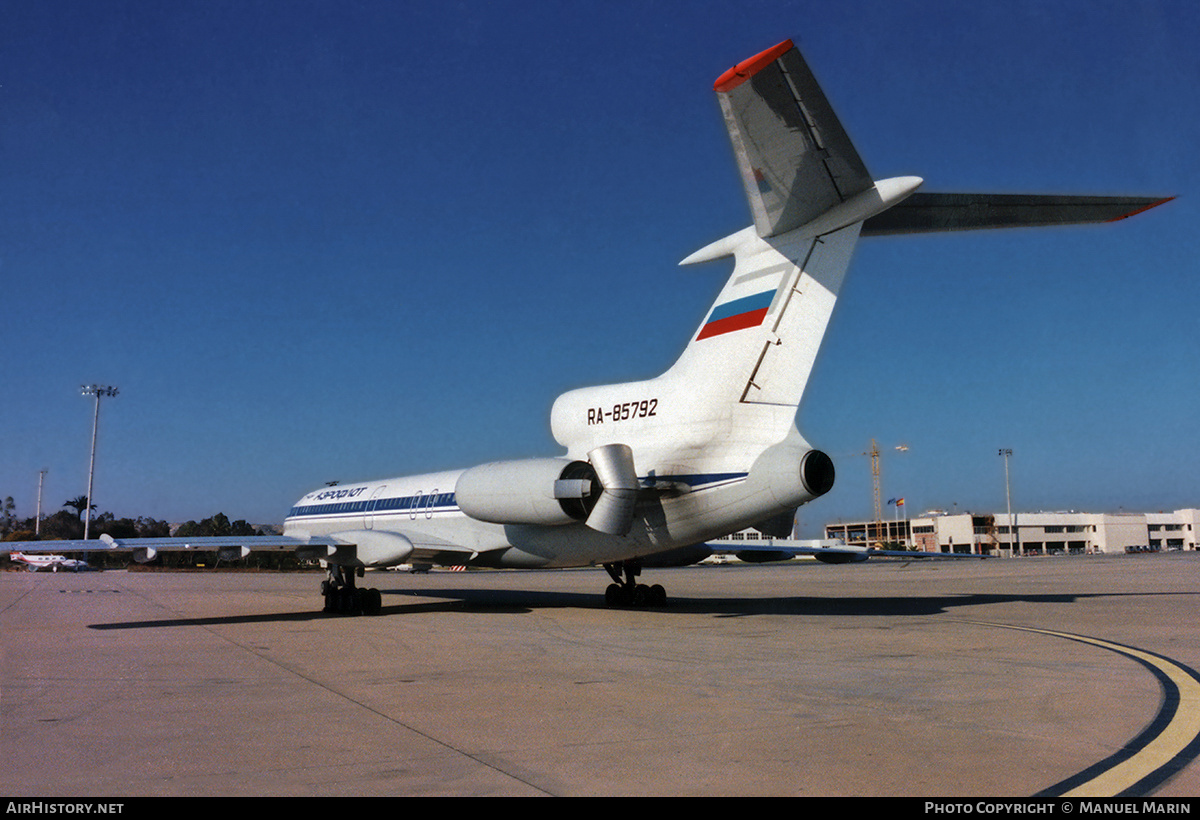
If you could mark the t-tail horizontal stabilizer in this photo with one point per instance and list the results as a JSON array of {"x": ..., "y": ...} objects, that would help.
[
  {"x": 799, "y": 167},
  {"x": 929, "y": 212}
]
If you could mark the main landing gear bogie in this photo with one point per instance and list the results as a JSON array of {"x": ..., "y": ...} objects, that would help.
[
  {"x": 343, "y": 597},
  {"x": 625, "y": 591}
]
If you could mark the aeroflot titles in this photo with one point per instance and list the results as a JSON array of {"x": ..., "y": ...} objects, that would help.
[
  {"x": 349, "y": 492},
  {"x": 336, "y": 503}
]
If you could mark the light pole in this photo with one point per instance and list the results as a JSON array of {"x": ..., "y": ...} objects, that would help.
[
  {"x": 1014, "y": 540},
  {"x": 96, "y": 390},
  {"x": 37, "y": 521}
]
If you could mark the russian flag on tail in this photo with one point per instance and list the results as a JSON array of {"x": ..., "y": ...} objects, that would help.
[{"x": 749, "y": 311}]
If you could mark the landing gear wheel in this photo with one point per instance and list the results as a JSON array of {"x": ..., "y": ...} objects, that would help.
[
  {"x": 612, "y": 595},
  {"x": 342, "y": 597},
  {"x": 627, "y": 592},
  {"x": 641, "y": 595},
  {"x": 658, "y": 596}
]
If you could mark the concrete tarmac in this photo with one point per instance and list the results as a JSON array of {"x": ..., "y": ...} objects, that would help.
[{"x": 885, "y": 678}]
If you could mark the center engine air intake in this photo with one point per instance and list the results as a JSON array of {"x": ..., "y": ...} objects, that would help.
[
  {"x": 817, "y": 473},
  {"x": 792, "y": 473}
]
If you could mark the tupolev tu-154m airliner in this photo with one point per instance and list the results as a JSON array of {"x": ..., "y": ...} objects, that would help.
[{"x": 654, "y": 469}]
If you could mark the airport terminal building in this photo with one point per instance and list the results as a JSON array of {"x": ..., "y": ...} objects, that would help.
[{"x": 1041, "y": 533}]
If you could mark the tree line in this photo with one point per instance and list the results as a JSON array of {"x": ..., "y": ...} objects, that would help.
[{"x": 68, "y": 524}]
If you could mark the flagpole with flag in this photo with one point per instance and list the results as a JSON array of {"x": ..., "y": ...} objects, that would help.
[{"x": 901, "y": 534}]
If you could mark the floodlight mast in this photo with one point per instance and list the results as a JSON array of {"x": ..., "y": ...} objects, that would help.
[
  {"x": 1014, "y": 544},
  {"x": 37, "y": 520},
  {"x": 96, "y": 390}
]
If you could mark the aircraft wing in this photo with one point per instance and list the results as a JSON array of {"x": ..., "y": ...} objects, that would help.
[
  {"x": 205, "y": 544},
  {"x": 362, "y": 547},
  {"x": 829, "y": 552},
  {"x": 144, "y": 549}
]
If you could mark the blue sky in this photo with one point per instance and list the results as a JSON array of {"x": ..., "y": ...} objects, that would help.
[{"x": 315, "y": 240}]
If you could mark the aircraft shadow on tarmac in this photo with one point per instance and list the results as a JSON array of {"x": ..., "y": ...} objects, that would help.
[{"x": 523, "y": 601}]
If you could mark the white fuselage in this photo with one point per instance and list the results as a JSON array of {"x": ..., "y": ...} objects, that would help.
[{"x": 684, "y": 510}]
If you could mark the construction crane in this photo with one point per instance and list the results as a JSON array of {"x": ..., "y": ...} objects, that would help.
[{"x": 876, "y": 487}]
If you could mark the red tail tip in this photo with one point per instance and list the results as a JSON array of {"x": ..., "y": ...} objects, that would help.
[{"x": 746, "y": 69}]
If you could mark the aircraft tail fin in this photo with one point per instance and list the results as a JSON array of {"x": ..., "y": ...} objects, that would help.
[
  {"x": 809, "y": 193},
  {"x": 795, "y": 158},
  {"x": 743, "y": 374}
]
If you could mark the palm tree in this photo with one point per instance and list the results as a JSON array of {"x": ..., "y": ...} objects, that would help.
[{"x": 79, "y": 504}]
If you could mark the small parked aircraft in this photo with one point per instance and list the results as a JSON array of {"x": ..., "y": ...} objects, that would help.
[{"x": 54, "y": 563}]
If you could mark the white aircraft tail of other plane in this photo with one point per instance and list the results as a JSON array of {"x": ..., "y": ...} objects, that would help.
[{"x": 653, "y": 469}]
